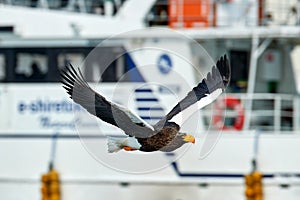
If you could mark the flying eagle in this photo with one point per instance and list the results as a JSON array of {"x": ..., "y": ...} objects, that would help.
[{"x": 165, "y": 135}]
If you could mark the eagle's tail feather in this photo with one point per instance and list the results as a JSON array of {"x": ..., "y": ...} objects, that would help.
[{"x": 114, "y": 144}]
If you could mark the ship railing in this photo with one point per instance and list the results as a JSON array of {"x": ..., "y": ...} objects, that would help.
[
  {"x": 270, "y": 112},
  {"x": 83, "y": 6},
  {"x": 207, "y": 13},
  {"x": 187, "y": 13}
]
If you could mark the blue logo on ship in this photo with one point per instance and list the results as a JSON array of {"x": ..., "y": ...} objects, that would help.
[{"x": 164, "y": 64}]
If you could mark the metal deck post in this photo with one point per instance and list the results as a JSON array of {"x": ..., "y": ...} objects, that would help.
[{"x": 256, "y": 51}]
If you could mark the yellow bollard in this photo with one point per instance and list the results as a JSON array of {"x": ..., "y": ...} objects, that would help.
[
  {"x": 50, "y": 186},
  {"x": 254, "y": 186}
]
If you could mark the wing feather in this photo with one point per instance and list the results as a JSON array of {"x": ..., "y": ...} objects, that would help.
[
  {"x": 119, "y": 116},
  {"x": 218, "y": 78}
]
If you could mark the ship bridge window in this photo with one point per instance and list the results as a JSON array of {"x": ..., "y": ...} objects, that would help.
[
  {"x": 239, "y": 60},
  {"x": 113, "y": 72},
  {"x": 76, "y": 59},
  {"x": 30, "y": 67},
  {"x": 2, "y": 67},
  {"x": 158, "y": 15},
  {"x": 123, "y": 69},
  {"x": 114, "y": 65}
]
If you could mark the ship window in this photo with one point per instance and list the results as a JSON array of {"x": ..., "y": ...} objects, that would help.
[
  {"x": 114, "y": 71},
  {"x": 122, "y": 69},
  {"x": 2, "y": 67},
  {"x": 158, "y": 15},
  {"x": 102, "y": 64},
  {"x": 75, "y": 59},
  {"x": 109, "y": 67},
  {"x": 239, "y": 60},
  {"x": 31, "y": 67}
]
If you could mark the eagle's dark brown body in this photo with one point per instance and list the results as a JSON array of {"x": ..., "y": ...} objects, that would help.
[
  {"x": 159, "y": 140},
  {"x": 167, "y": 139}
]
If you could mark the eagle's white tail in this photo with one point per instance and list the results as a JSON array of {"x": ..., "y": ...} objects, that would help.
[{"x": 114, "y": 144}]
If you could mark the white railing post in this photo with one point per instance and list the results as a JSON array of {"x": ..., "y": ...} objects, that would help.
[
  {"x": 43, "y": 4},
  {"x": 296, "y": 116},
  {"x": 277, "y": 113}
]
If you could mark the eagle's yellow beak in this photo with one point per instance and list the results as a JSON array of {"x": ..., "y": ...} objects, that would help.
[{"x": 189, "y": 138}]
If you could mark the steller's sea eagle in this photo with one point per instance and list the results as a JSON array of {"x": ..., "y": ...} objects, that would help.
[{"x": 164, "y": 135}]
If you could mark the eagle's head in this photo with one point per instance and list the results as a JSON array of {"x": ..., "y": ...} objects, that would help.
[
  {"x": 188, "y": 138},
  {"x": 178, "y": 141}
]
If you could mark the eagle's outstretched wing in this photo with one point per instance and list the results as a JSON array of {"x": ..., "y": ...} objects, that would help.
[
  {"x": 97, "y": 105},
  {"x": 212, "y": 86}
]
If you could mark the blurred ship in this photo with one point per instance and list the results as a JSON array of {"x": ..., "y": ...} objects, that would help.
[{"x": 253, "y": 126}]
